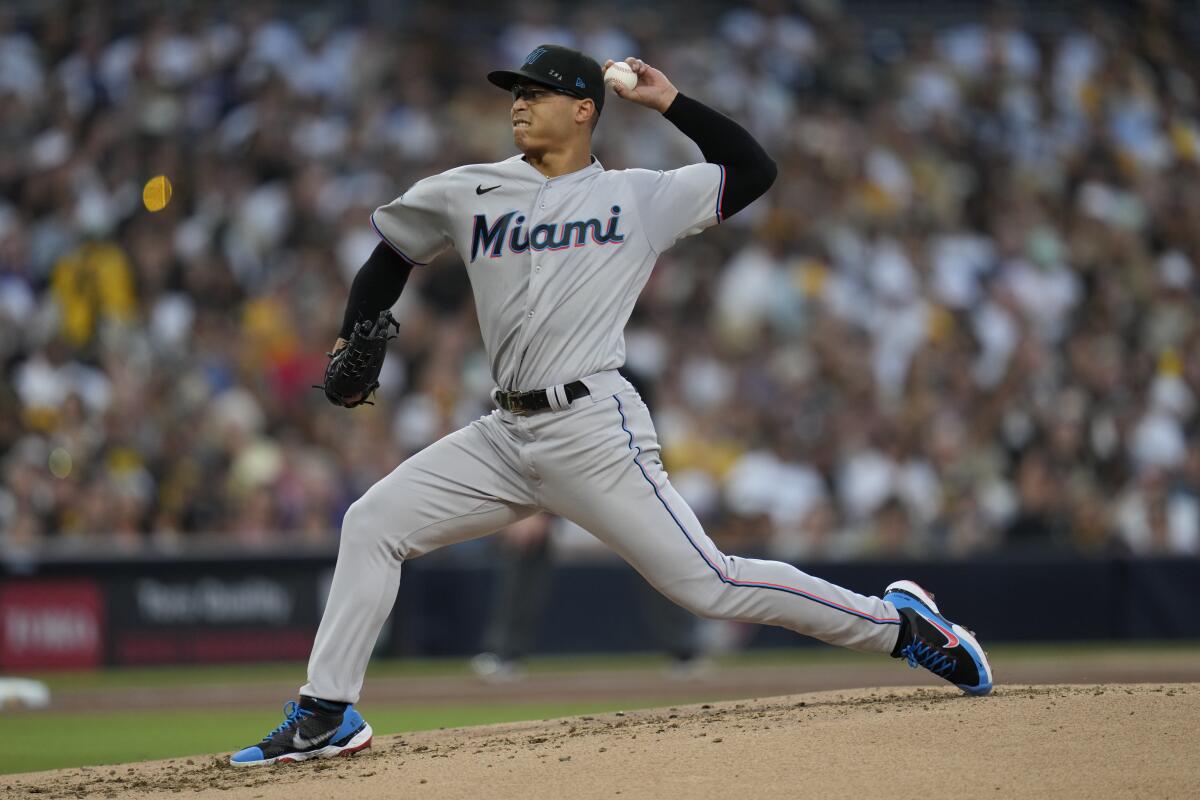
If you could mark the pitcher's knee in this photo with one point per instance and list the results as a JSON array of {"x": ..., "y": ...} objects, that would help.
[
  {"x": 362, "y": 526},
  {"x": 710, "y": 598},
  {"x": 699, "y": 600}
]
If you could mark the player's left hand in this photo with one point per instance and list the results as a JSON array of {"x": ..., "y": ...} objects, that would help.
[
  {"x": 653, "y": 90},
  {"x": 354, "y": 366}
]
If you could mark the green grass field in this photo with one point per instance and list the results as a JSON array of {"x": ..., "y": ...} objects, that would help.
[
  {"x": 123, "y": 736},
  {"x": 93, "y": 738},
  {"x": 47, "y": 740}
]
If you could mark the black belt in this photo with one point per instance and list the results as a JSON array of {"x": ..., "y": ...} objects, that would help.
[{"x": 536, "y": 400}]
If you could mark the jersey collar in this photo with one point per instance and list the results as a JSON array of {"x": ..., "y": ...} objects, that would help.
[{"x": 591, "y": 169}]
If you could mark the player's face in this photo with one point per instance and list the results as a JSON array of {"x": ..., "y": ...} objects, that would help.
[{"x": 541, "y": 117}]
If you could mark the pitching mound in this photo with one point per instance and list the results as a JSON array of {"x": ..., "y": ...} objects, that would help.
[{"x": 1023, "y": 741}]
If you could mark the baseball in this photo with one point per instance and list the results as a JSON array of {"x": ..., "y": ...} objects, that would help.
[{"x": 621, "y": 73}]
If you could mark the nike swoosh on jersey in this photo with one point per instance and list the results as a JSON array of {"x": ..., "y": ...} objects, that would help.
[
  {"x": 301, "y": 743},
  {"x": 480, "y": 190}
]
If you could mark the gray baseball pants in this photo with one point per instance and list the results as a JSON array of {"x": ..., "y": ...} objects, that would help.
[{"x": 597, "y": 464}]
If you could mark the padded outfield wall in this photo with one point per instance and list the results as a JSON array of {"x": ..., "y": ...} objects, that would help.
[{"x": 92, "y": 613}]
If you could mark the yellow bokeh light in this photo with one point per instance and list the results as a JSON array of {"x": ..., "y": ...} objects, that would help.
[{"x": 157, "y": 193}]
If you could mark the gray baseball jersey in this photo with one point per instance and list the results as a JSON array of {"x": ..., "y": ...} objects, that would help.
[{"x": 556, "y": 265}]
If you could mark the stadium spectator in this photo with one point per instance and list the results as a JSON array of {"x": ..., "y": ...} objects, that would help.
[{"x": 963, "y": 320}]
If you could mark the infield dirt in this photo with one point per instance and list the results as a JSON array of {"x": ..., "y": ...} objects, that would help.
[{"x": 1111, "y": 740}]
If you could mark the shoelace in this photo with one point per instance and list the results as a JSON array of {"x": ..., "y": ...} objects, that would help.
[
  {"x": 291, "y": 714},
  {"x": 920, "y": 654}
]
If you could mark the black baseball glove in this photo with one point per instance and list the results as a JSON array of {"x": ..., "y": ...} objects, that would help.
[{"x": 353, "y": 371}]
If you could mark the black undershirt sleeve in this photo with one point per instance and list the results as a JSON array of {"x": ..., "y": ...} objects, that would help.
[
  {"x": 376, "y": 287},
  {"x": 749, "y": 171}
]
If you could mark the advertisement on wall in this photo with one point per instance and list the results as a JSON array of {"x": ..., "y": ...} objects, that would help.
[
  {"x": 51, "y": 624},
  {"x": 206, "y": 617}
]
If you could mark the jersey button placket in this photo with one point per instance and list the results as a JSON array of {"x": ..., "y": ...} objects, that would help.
[{"x": 535, "y": 269}]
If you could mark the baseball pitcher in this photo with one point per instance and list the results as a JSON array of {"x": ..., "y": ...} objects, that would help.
[{"x": 557, "y": 249}]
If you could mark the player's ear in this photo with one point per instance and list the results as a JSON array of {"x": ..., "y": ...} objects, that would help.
[{"x": 585, "y": 112}]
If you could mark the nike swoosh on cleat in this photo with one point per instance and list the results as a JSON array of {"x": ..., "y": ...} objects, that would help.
[
  {"x": 303, "y": 744},
  {"x": 480, "y": 190},
  {"x": 951, "y": 639}
]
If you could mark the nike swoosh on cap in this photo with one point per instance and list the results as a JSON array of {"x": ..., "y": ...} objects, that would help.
[
  {"x": 480, "y": 190},
  {"x": 302, "y": 744}
]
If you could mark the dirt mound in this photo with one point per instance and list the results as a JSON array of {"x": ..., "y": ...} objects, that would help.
[{"x": 1023, "y": 741}]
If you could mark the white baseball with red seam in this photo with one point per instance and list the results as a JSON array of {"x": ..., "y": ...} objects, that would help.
[{"x": 621, "y": 73}]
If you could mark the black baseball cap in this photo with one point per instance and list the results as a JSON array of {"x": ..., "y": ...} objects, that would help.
[{"x": 558, "y": 67}]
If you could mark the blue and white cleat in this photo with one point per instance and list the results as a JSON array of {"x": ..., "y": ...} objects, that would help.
[
  {"x": 306, "y": 733},
  {"x": 947, "y": 650}
]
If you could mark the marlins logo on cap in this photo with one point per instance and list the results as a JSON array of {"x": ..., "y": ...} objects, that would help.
[{"x": 558, "y": 67}]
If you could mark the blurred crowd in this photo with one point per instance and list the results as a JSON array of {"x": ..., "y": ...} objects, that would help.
[{"x": 962, "y": 321}]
